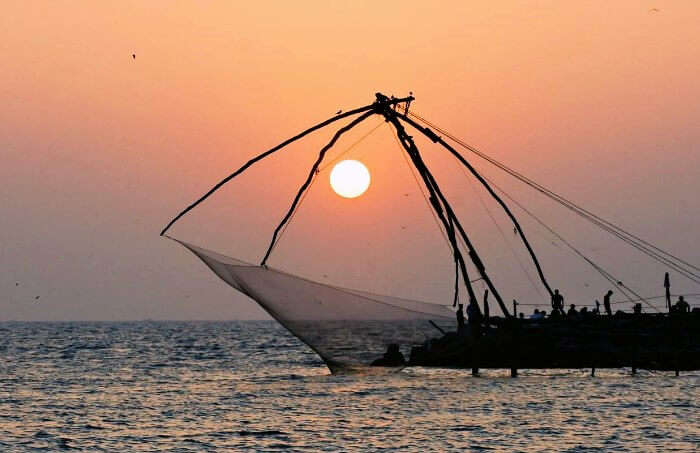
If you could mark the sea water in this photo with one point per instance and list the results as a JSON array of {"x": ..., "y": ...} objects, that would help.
[{"x": 251, "y": 386}]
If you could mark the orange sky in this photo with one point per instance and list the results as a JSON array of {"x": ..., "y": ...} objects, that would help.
[{"x": 596, "y": 100}]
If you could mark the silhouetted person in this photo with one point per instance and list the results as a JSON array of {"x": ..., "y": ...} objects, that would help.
[
  {"x": 536, "y": 315},
  {"x": 474, "y": 318},
  {"x": 606, "y": 302},
  {"x": 637, "y": 309},
  {"x": 584, "y": 312},
  {"x": 474, "y": 313},
  {"x": 460, "y": 318},
  {"x": 572, "y": 313},
  {"x": 558, "y": 302},
  {"x": 392, "y": 357},
  {"x": 682, "y": 306}
]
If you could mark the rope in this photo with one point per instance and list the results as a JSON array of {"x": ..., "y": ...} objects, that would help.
[
  {"x": 262, "y": 156},
  {"x": 503, "y": 235},
  {"x": 291, "y": 218},
  {"x": 321, "y": 169},
  {"x": 436, "y": 139},
  {"x": 353, "y": 145},
  {"x": 311, "y": 175},
  {"x": 645, "y": 247},
  {"x": 605, "y": 274}
]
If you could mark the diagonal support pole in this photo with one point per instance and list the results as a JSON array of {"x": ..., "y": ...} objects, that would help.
[
  {"x": 373, "y": 106},
  {"x": 430, "y": 182},
  {"x": 438, "y": 201},
  {"x": 435, "y": 138},
  {"x": 312, "y": 172}
]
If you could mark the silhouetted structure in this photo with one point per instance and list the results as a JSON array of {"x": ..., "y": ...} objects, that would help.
[
  {"x": 460, "y": 317},
  {"x": 576, "y": 341},
  {"x": 606, "y": 302},
  {"x": 392, "y": 357},
  {"x": 557, "y": 302},
  {"x": 681, "y": 306}
]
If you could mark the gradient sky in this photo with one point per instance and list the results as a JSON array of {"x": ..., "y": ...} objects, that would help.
[{"x": 597, "y": 100}]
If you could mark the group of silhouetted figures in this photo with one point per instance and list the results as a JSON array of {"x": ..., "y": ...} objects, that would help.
[
  {"x": 681, "y": 306},
  {"x": 475, "y": 317},
  {"x": 558, "y": 308}
]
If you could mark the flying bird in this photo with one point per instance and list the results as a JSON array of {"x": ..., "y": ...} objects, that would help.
[
  {"x": 133, "y": 55},
  {"x": 36, "y": 298}
]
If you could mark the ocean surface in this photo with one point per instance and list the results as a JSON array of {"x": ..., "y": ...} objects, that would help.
[{"x": 251, "y": 386}]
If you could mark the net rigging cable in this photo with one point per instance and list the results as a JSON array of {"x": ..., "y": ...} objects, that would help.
[{"x": 681, "y": 266}]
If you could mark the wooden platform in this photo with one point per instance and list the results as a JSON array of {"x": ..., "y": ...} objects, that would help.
[{"x": 654, "y": 342}]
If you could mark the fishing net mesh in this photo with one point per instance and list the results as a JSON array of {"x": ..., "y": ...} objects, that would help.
[{"x": 349, "y": 329}]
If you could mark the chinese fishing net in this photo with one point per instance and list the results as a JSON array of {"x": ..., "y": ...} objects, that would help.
[{"x": 348, "y": 329}]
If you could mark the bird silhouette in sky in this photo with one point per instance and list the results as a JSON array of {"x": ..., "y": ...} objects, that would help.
[
  {"x": 37, "y": 298},
  {"x": 133, "y": 55}
]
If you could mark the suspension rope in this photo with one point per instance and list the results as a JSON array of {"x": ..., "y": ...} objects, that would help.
[
  {"x": 320, "y": 170},
  {"x": 351, "y": 147},
  {"x": 503, "y": 235},
  {"x": 411, "y": 169},
  {"x": 296, "y": 210},
  {"x": 654, "y": 252},
  {"x": 605, "y": 274},
  {"x": 438, "y": 202},
  {"x": 311, "y": 175},
  {"x": 436, "y": 139},
  {"x": 262, "y": 156}
]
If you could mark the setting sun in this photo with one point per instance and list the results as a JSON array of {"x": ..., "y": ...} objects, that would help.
[{"x": 350, "y": 178}]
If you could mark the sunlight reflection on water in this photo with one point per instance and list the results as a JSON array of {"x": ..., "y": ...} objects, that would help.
[{"x": 251, "y": 386}]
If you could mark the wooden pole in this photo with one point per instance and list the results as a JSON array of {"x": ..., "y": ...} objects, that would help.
[
  {"x": 667, "y": 285},
  {"x": 487, "y": 310},
  {"x": 436, "y": 139},
  {"x": 267, "y": 153},
  {"x": 310, "y": 177},
  {"x": 440, "y": 205}
]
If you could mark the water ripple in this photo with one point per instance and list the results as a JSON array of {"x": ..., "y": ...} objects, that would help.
[{"x": 236, "y": 386}]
